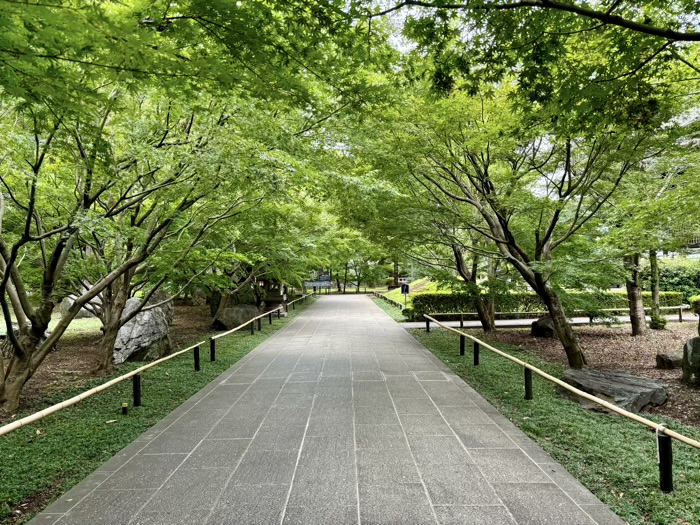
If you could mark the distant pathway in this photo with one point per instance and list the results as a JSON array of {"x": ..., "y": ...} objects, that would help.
[{"x": 339, "y": 418}]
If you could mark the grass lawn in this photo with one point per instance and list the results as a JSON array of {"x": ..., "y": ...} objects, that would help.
[
  {"x": 77, "y": 326},
  {"x": 427, "y": 287},
  {"x": 45, "y": 459},
  {"x": 612, "y": 456}
]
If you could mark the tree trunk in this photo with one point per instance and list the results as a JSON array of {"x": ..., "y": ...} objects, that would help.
[
  {"x": 657, "y": 322},
  {"x": 396, "y": 273},
  {"x": 113, "y": 306},
  {"x": 18, "y": 374},
  {"x": 486, "y": 313},
  {"x": 214, "y": 302},
  {"x": 574, "y": 353},
  {"x": 106, "y": 352},
  {"x": 634, "y": 295},
  {"x": 19, "y": 370},
  {"x": 345, "y": 279},
  {"x": 484, "y": 307}
]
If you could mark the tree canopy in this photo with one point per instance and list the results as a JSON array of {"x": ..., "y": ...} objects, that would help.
[{"x": 210, "y": 145}]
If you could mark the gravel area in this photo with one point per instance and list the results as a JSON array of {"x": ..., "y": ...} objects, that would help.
[{"x": 614, "y": 348}]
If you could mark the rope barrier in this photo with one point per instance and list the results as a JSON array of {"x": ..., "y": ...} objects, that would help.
[
  {"x": 219, "y": 336},
  {"x": 10, "y": 427},
  {"x": 73, "y": 400},
  {"x": 613, "y": 408}
]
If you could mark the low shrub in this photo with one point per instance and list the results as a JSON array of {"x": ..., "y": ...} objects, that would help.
[
  {"x": 677, "y": 275},
  {"x": 590, "y": 303}
]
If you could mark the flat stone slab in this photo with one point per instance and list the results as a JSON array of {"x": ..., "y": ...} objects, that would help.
[
  {"x": 627, "y": 391},
  {"x": 340, "y": 418}
]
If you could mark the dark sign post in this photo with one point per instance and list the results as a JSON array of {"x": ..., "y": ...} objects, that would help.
[{"x": 404, "y": 291}]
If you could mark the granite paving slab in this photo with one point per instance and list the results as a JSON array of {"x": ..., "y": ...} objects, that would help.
[{"x": 341, "y": 417}]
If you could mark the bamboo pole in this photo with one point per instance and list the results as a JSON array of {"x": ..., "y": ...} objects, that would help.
[
  {"x": 73, "y": 400},
  {"x": 219, "y": 336},
  {"x": 6, "y": 429},
  {"x": 613, "y": 408}
]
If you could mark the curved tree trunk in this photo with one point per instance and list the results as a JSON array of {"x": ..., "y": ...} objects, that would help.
[
  {"x": 486, "y": 312},
  {"x": 634, "y": 295},
  {"x": 109, "y": 337},
  {"x": 574, "y": 353},
  {"x": 19, "y": 370},
  {"x": 484, "y": 306}
]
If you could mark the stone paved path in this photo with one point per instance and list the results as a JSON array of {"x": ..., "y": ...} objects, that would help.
[{"x": 339, "y": 418}]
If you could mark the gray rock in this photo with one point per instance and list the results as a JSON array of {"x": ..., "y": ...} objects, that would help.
[
  {"x": 67, "y": 303},
  {"x": 168, "y": 306},
  {"x": 691, "y": 361},
  {"x": 232, "y": 316},
  {"x": 199, "y": 298},
  {"x": 630, "y": 392},
  {"x": 543, "y": 327},
  {"x": 145, "y": 337},
  {"x": 669, "y": 361}
]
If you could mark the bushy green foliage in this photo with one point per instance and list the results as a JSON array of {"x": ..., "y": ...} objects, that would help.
[
  {"x": 676, "y": 275},
  {"x": 589, "y": 302},
  {"x": 657, "y": 323},
  {"x": 695, "y": 304}
]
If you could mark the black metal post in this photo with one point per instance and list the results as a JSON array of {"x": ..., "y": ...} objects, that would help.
[
  {"x": 427, "y": 325},
  {"x": 212, "y": 349},
  {"x": 252, "y": 328},
  {"x": 259, "y": 324},
  {"x": 136, "y": 382},
  {"x": 680, "y": 314},
  {"x": 294, "y": 305},
  {"x": 476, "y": 353},
  {"x": 279, "y": 313},
  {"x": 461, "y": 344},
  {"x": 665, "y": 462},
  {"x": 197, "y": 367},
  {"x": 125, "y": 409},
  {"x": 270, "y": 316},
  {"x": 461, "y": 321},
  {"x": 528, "y": 384}
]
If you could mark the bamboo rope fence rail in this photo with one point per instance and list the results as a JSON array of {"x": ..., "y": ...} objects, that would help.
[
  {"x": 680, "y": 308},
  {"x": 661, "y": 430},
  {"x": 136, "y": 375}
]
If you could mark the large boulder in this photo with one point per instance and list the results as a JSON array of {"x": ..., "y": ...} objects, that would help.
[
  {"x": 691, "y": 361},
  {"x": 165, "y": 302},
  {"x": 143, "y": 338},
  {"x": 669, "y": 361},
  {"x": 234, "y": 315},
  {"x": 67, "y": 303},
  {"x": 630, "y": 392},
  {"x": 543, "y": 327}
]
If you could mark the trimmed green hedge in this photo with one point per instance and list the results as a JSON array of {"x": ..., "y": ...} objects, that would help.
[
  {"x": 590, "y": 302},
  {"x": 677, "y": 275}
]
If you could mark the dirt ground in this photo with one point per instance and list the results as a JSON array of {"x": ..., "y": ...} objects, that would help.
[
  {"x": 614, "y": 348},
  {"x": 76, "y": 358}
]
